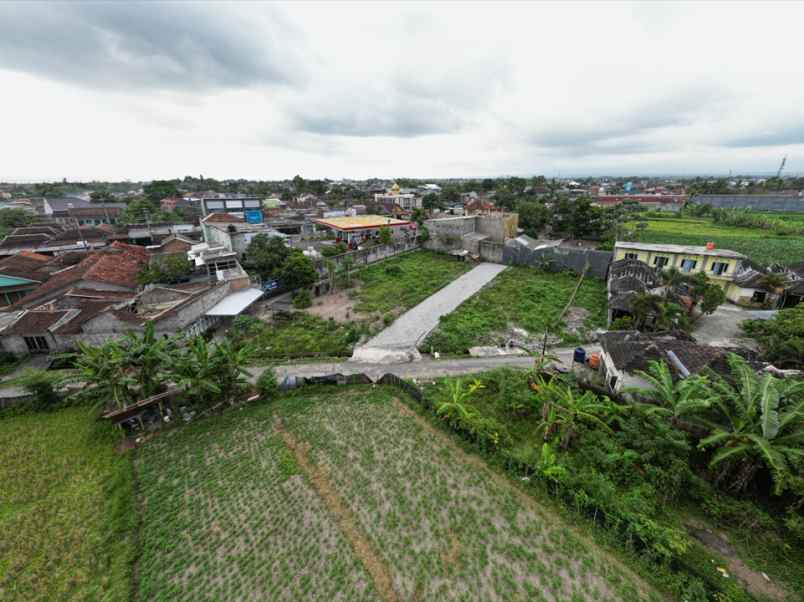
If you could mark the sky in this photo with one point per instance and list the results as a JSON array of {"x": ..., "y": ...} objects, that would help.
[{"x": 115, "y": 91}]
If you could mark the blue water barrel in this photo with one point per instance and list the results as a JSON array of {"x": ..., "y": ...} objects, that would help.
[{"x": 579, "y": 357}]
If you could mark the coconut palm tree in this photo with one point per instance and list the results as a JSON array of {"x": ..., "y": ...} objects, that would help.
[{"x": 754, "y": 422}]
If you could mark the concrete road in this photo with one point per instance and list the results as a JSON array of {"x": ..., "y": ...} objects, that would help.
[
  {"x": 722, "y": 328},
  {"x": 426, "y": 368},
  {"x": 399, "y": 340}
]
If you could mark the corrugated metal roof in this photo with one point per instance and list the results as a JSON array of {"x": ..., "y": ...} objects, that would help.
[{"x": 234, "y": 304}]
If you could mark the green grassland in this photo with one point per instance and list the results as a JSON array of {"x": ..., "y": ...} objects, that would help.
[
  {"x": 65, "y": 509},
  {"x": 523, "y": 297},
  {"x": 401, "y": 283},
  {"x": 232, "y": 513},
  {"x": 760, "y": 245}
]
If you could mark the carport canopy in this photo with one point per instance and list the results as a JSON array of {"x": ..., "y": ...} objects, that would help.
[{"x": 236, "y": 303}]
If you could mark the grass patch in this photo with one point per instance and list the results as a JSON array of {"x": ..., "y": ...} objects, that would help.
[
  {"x": 303, "y": 335},
  {"x": 760, "y": 245},
  {"x": 405, "y": 281},
  {"x": 66, "y": 514},
  {"x": 522, "y": 297}
]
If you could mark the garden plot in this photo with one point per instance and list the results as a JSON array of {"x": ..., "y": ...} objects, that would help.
[
  {"x": 446, "y": 527},
  {"x": 227, "y": 515}
]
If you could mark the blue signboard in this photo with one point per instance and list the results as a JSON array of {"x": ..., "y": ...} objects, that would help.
[{"x": 253, "y": 216}]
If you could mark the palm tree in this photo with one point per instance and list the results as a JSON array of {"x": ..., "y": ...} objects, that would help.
[
  {"x": 564, "y": 410},
  {"x": 754, "y": 422}
]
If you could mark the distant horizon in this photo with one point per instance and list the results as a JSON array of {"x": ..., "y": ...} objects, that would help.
[{"x": 568, "y": 176}]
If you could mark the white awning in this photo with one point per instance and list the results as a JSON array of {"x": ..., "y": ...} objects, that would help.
[{"x": 234, "y": 304}]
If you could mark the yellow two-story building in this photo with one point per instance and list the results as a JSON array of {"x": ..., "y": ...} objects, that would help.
[{"x": 722, "y": 266}]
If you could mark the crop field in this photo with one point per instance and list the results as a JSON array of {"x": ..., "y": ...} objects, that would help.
[
  {"x": 522, "y": 297},
  {"x": 65, "y": 514},
  {"x": 760, "y": 245},
  {"x": 406, "y": 281},
  {"x": 348, "y": 495}
]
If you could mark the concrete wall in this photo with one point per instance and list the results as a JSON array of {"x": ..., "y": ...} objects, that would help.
[
  {"x": 366, "y": 256},
  {"x": 557, "y": 259},
  {"x": 446, "y": 233},
  {"x": 499, "y": 227},
  {"x": 491, "y": 251}
]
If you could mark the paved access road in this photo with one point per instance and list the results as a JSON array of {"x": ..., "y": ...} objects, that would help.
[
  {"x": 426, "y": 368},
  {"x": 412, "y": 326}
]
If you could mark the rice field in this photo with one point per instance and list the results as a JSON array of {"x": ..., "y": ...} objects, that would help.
[
  {"x": 759, "y": 245},
  {"x": 66, "y": 519},
  {"x": 346, "y": 494}
]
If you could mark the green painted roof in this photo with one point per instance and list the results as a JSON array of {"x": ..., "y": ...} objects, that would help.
[{"x": 12, "y": 281}]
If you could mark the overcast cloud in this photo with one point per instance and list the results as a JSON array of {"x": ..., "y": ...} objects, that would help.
[{"x": 126, "y": 90}]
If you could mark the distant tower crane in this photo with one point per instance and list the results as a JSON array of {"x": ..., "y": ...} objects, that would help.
[{"x": 781, "y": 167}]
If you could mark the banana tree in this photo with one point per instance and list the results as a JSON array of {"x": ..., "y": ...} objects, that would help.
[
  {"x": 754, "y": 422},
  {"x": 564, "y": 410},
  {"x": 105, "y": 368},
  {"x": 672, "y": 398},
  {"x": 453, "y": 409}
]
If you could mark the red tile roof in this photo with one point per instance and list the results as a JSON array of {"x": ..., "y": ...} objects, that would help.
[{"x": 120, "y": 269}]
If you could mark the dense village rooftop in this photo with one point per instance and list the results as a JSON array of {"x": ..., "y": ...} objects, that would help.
[{"x": 686, "y": 249}]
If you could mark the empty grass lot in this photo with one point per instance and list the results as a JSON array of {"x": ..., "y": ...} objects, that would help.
[
  {"x": 65, "y": 509},
  {"x": 346, "y": 494},
  {"x": 760, "y": 245},
  {"x": 401, "y": 283},
  {"x": 523, "y": 297}
]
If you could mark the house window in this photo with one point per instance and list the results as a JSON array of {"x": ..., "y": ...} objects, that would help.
[
  {"x": 37, "y": 344},
  {"x": 631, "y": 256},
  {"x": 660, "y": 262},
  {"x": 720, "y": 267},
  {"x": 687, "y": 265},
  {"x": 759, "y": 297}
]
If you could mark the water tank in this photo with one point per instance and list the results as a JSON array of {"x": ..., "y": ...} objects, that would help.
[{"x": 579, "y": 357}]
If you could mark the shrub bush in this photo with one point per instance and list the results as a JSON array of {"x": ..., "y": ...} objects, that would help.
[
  {"x": 267, "y": 386},
  {"x": 42, "y": 386},
  {"x": 302, "y": 299}
]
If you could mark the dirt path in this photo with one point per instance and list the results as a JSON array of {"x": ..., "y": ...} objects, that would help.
[
  {"x": 347, "y": 523},
  {"x": 505, "y": 483}
]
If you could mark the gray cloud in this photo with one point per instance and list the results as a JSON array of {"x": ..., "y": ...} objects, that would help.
[
  {"x": 151, "y": 46},
  {"x": 628, "y": 131},
  {"x": 774, "y": 136},
  {"x": 377, "y": 114}
]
